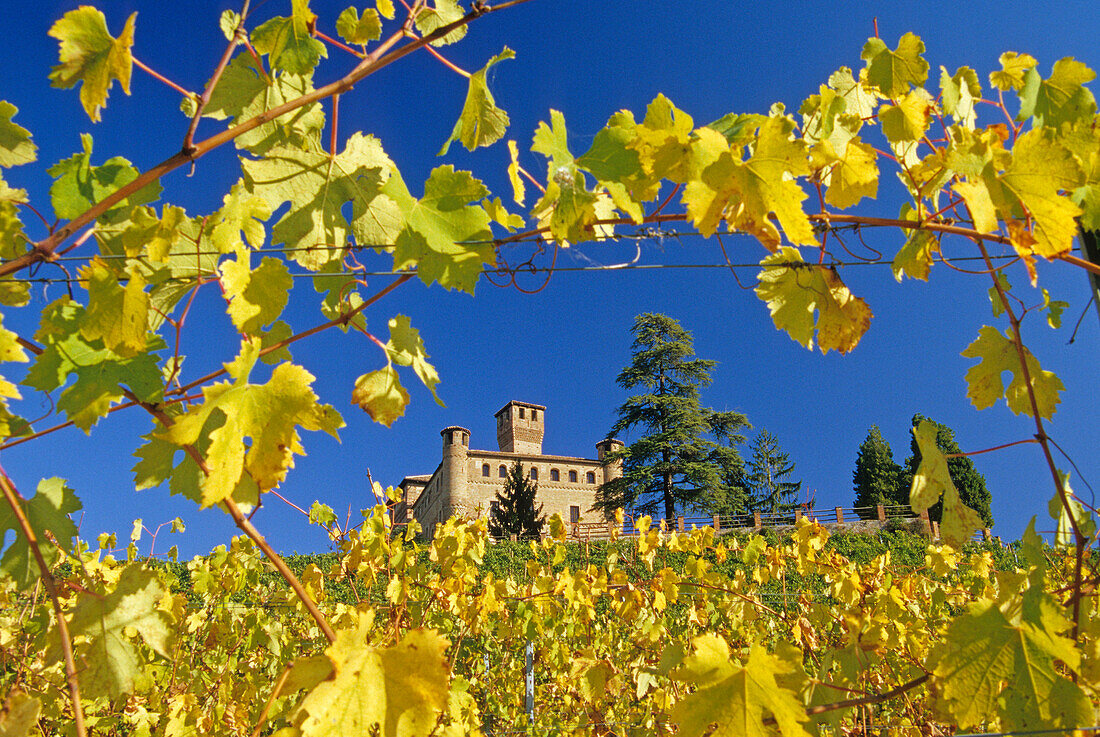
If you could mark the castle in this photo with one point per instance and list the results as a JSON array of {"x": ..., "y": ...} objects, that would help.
[{"x": 466, "y": 481}]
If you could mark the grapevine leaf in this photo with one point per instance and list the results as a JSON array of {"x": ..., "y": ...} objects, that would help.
[
  {"x": 289, "y": 42},
  {"x": 267, "y": 415},
  {"x": 16, "y": 147},
  {"x": 397, "y": 691},
  {"x": 481, "y": 123},
  {"x": 245, "y": 91},
  {"x": 1040, "y": 167},
  {"x": 257, "y": 296},
  {"x": 1088, "y": 199},
  {"x": 1061, "y": 99},
  {"x": 854, "y": 176},
  {"x": 998, "y": 354},
  {"x": 793, "y": 289},
  {"x": 933, "y": 480},
  {"x": 990, "y": 662},
  {"x": 959, "y": 94},
  {"x": 148, "y": 235},
  {"x": 442, "y": 12},
  {"x": 1075, "y": 516},
  {"x": 499, "y": 214},
  {"x": 978, "y": 201},
  {"x": 1013, "y": 68},
  {"x": 746, "y": 193},
  {"x": 47, "y": 512},
  {"x": 306, "y": 673},
  {"x": 91, "y": 56},
  {"x": 101, "y": 374},
  {"x": 893, "y": 71},
  {"x": 115, "y": 314},
  {"x": 908, "y": 120},
  {"x": 518, "y": 189},
  {"x": 1054, "y": 309},
  {"x": 915, "y": 257},
  {"x": 442, "y": 229},
  {"x": 359, "y": 30},
  {"x": 406, "y": 348},
  {"x": 318, "y": 187},
  {"x": 731, "y": 699},
  {"x": 381, "y": 395},
  {"x": 663, "y": 143},
  {"x": 617, "y": 166},
  {"x": 109, "y": 661},
  {"x": 241, "y": 212},
  {"x": 859, "y": 99},
  {"x": 229, "y": 21},
  {"x": 551, "y": 141},
  {"x": 79, "y": 185},
  {"x": 20, "y": 714},
  {"x": 385, "y": 8}
]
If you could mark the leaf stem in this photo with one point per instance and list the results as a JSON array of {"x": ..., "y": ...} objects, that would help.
[
  {"x": 158, "y": 76},
  {"x": 15, "y": 500},
  {"x": 238, "y": 32},
  {"x": 443, "y": 60}
]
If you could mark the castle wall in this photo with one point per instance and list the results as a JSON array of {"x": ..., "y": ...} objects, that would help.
[{"x": 555, "y": 496}]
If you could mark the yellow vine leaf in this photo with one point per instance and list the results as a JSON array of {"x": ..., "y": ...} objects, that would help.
[
  {"x": 854, "y": 176},
  {"x": 266, "y": 414},
  {"x": 481, "y": 123},
  {"x": 256, "y": 296},
  {"x": 933, "y": 480},
  {"x": 892, "y": 71},
  {"x": 398, "y": 691},
  {"x": 519, "y": 191},
  {"x": 90, "y": 55},
  {"x": 381, "y": 395},
  {"x": 734, "y": 700},
  {"x": 908, "y": 120},
  {"x": 976, "y": 196},
  {"x": 406, "y": 348},
  {"x": 20, "y": 714},
  {"x": 793, "y": 289},
  {"x": 1013, "y": 68},
  {"x": 118, "y": 315},
  {"x": 998, "y": 354}
]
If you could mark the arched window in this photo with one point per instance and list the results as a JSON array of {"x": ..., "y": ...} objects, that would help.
[
  {"x": 572, "y": 477},
  {"x": 485, "y": 469},
  {"x": 554, "y": 475},
  {"x": 590, "y": 477},
  {"x": 502, "y": 472},
  {"x": 534, "y": 473}
]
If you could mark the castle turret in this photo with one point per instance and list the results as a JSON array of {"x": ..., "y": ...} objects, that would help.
[
  {"x": 520, "y": 428},
  {"x": 452, "y": 471},
  {"x": 604, "y": 448}
]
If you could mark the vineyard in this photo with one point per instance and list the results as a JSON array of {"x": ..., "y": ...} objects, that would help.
[{"x": 674, "y": 627}]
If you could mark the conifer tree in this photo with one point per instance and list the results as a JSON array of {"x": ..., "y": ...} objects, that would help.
[
  {"x": 674, "y": 466},
  {"x": 514, "y": 512},
  {"x": 877, "y": 479},
  {"x": 971, "y": 484},
  {"x": 769, "y": 469}
]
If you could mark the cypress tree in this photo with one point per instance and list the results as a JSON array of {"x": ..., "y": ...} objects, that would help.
[
  {"x": 877, "y": 479},
  {"x": 514, "y": 512}
]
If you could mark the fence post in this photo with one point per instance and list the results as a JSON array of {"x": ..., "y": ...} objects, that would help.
[
  {"x": 529, "y": 673},
  {"x": 512, "y": 537},
  {"x": 717, "y": 523},
  {"x": 839, "y": 516},
  {"x": 680, "y": 524},
  {"x": 881, "y": 513},
  {"x": 756, "y": 520},
  {"x": 935, "y": 531},
  {"x": 926, "y": 523},
  {"x": 987, "y": 535},
  {"x": 611, "y": 529},
  {"x": 797, "y": 516}
]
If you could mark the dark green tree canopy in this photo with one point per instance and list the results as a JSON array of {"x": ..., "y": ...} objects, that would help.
[
  {"x": 686, "y": 458},
  {"x": 970, "y": 483},
  {"x": 878, "y": 479},
  {"x": 514, "y": 512},
  {"x": 771, "y": 490}
]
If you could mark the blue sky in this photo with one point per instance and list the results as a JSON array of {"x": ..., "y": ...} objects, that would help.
[{"x": 563, "y": 346}]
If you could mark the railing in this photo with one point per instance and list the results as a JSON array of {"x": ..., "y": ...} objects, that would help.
[{"x": 835, "y": 515}]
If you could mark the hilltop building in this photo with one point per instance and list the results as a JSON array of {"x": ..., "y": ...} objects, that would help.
[{"x": 466, "y": 481}]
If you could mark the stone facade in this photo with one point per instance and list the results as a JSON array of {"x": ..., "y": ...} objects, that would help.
[{"x": 467, "y": 480}]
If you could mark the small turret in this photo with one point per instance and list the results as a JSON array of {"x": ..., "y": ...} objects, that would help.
[{"x": 604, "y": 448}]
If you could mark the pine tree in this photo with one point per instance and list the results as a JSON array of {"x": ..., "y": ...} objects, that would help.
[
  {"x": 514, "y": 512},
  {"x": 769, "y": 469},
  {"x": 971, "y": 484},
  {"x": 675, "y": 466},
  {"x": 877, "y": 479}
]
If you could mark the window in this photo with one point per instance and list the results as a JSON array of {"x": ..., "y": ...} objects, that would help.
[
  {"x": 574, "y": 514},
  {"x": 554, "y": 475},
  {"x": 502, "y": 472},
  {"x": 534, "y": 474},
  {"x": 534, "y": 415},
  {"x": 572, "y": 477},
  {"x": 485, "y": 469},
  {"x": 521, "y": 413},
  {"x": 590, "y": 477}
]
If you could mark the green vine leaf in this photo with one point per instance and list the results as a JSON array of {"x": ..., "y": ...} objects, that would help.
[
  {"x": 481, "y": 123},
  {"x": 115, "y": 314},
  {"x": 16, "y": 147},
  {"x": 359, "y": 30},
  {"x": 289, "y": 42},
  {"x": 79, "y": 185},
  {"x": 90, "y": 56},
  {"x": 893, "y": 71},
  {"x": 267, "y": 415},
  {"x": 406, "y": 348},
  {"x": 1061, "y": 99},
  {"x": 998, "y": 354},
  {"x": 48, "y": 514},
  {"x": 256, "y": 296},
  {"x": 381, "y": 395},
  {"x": 20, "y": 714},
  {"x": 439, "y": 14}
]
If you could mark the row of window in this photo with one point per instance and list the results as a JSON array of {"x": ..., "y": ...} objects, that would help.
[
  {"x": 555, "y": 474},
  {"x": 574, "y": 512}
]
